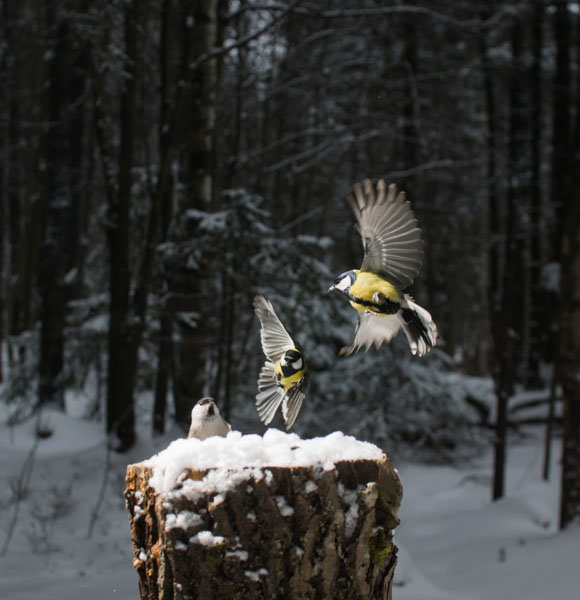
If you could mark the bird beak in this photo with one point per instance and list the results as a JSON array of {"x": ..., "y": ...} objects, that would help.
[{"x": 331, "y": 288}]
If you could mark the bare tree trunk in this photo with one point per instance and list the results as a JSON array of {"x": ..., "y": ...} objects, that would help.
[
  {"x": 192, "y": 285},
  {"x": 494, "y": 282},
  {"x": 506, "y": 310},
  {"x": 562, "y": 122},
  {"x": 21, "y": 187},
  {"x": 165, "y": 347},
  {"x": 409, "y": 154},
  {"x": 120, "y": 409},
  {"x": 55, "y": 214},
  {"x": 569, "y": 359},
  {"x": 80, "y": 150},
  {"x": 279, "y": 533},
  {"x": 4, "y": 154},
  {"x": 536, "y": 208},
  {"x": 3, "y": 277}
]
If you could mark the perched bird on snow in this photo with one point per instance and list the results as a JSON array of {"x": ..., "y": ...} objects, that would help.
[
  {"x": 206, "y": 420},
  {"x": 284, "y": 376},
  {"x": 393, "y": 252}
]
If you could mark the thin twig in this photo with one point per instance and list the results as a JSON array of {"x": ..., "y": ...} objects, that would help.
[
  {"x": 102, "y": 490},
  {"x": 243, "y": 41},
  {"x": 22, "y": 488},
  {"x": 385, "y": 11}
]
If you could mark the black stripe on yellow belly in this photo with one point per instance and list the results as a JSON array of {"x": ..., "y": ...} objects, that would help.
[
  {"x": 372, "y": 293},
  {"x": 386, "y": 307}
]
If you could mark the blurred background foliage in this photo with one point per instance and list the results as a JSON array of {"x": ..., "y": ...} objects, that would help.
[{"x": 163, "y": 161}]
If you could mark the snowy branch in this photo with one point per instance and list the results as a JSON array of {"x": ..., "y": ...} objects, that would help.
[{"x": 243, "y": 41}]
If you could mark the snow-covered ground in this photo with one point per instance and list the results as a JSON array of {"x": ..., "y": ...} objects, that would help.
[
  {"x": 457, "y": 544},
  {"x": 454, "y": 543}
]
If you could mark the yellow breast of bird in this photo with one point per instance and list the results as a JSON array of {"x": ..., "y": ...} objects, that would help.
[
  {"x": 366, "y": 286},
  {"x": 291, "y": 380}
]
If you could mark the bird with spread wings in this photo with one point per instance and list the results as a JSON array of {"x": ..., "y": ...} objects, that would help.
[{"x": 393, "y": 252}]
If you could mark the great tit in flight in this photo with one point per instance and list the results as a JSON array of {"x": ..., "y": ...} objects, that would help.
[
  {"x": 206, "y": 420},
  {"x": 393, "y": 252},
  {"x": 284, "y": 376}
]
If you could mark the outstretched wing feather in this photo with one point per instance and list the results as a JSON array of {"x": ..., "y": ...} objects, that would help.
[
  {"x": 274, "y": 337},
  {"x": 371, "y": 330},
  {"x": 270, "y": 395},
  {"x": 391, "y": 239}
]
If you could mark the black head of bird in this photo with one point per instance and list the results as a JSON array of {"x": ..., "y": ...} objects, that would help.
[{"x": 344, "y": 282}]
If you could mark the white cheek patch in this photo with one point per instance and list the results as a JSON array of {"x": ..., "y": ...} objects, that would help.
[
  {"x": 343, "y": 284},
  {"x": 297, "y": 364}
]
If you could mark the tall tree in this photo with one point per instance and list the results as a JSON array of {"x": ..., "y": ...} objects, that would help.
[
  {"x": 166, "y": 110},
  {"x": 536, "y": 206},
  {"x": 569, "y": 362},
  {"x": 509, "y": 305},
  {"x": 120, "y": 408},
  {"x": 25, "y": 75},
  {"x": 55, "y": 211},
  {"x": 189, "y": 283},
  {"x": 4, "y": 153},
  {"x": 569, "y": 359},
  {"x": 60, "y": 256},
  {"x": 549, "y": 305},
  {"x": 562, "y": 124}
]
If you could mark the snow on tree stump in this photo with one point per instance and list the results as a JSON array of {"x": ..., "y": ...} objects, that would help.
[{"x": 264, "y": 517}]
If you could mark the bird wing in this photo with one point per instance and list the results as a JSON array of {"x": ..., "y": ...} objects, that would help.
[
  {"x": 371, "y": 329},
  {"x": 271, "y": 394},
  {"x": 275, "y": 339},
  {"x": 391, "y": 238},
  {"x": 293, "y": 402}
]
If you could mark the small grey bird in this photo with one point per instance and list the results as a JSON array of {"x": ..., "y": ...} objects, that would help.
[{"x": 206, "y": 420}]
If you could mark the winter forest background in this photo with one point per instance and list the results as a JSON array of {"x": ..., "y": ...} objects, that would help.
[{"x": 161, "y": 162}]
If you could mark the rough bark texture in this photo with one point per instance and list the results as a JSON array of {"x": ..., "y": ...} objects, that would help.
[
  {"x": 569, "y": 356},
  {"x": 287, "y": 533},
  {"x": 190, "y": 286},
  {"x": 121, "y": 369}
]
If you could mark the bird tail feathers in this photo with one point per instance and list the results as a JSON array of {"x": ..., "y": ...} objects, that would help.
[
  {"x": 419, "y": 327},
  {"x": 292, "y": 404}
]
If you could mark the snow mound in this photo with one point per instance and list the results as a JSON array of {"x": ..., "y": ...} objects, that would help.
[
  {"x": 237, "y": 452},
  {"x": 66, "y": 435}
]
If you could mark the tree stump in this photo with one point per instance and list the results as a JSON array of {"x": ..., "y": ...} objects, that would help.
[{"x": 321, "y": 530}]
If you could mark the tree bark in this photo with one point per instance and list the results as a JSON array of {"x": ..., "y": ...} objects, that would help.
[
  {"x": 22, "y": 183},
  {"x": 569, "y": 364},
  {"x": 55, "y": 213},
  {"x": 4, "y": 154},
  {"x": 562, "y": 123},
  {"x": 536, "y": 208},
  {"x": 506, "y": 310},
  {"x": 569, "y": 358},
  {"x": 120, "y": 409},
  {"x": 279, "y": 533},
  {"x": 494, "y": 280},
  {"x": 164, "y": 346},
  {"x": 192, "y": 284}
]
